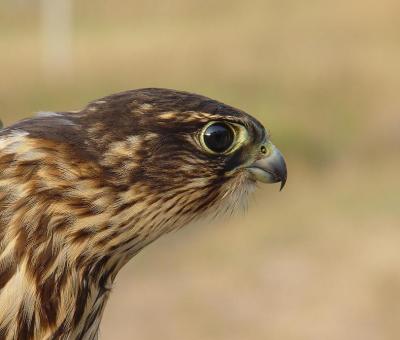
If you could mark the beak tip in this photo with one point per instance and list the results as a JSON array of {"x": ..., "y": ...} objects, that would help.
[
  {"x": 283, "y": 174},
  {"x": 283, "y": 182}
]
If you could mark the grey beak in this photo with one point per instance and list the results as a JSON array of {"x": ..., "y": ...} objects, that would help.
[{"x": 271, "y": 169}]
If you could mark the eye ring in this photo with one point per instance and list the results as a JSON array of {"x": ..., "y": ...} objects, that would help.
[{"x": 218, "y": 137}]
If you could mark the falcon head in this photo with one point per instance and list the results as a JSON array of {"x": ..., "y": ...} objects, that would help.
[{"x": 173, "y": 144}]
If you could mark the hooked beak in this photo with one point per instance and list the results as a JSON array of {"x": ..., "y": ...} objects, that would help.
[{"x": 271, "y": 168}]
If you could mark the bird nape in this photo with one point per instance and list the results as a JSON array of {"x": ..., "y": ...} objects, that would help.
[{"x": 82, "y": 192}]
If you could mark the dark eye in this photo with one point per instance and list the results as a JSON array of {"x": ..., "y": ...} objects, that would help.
[{"x": 218, "y": 137}]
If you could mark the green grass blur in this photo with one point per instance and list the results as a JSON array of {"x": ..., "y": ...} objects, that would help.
[{"x": 319, "y": 260}]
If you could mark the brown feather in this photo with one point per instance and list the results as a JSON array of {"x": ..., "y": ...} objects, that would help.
[{"x": 81, "y": 193}]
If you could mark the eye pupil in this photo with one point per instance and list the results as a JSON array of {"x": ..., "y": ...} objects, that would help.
[{"x": 218, "y": 137}]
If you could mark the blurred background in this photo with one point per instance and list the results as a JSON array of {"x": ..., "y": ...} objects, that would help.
[{"x": 320, "y": 260}]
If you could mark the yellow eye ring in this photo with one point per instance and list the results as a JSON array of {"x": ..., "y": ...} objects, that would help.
[{"x": 220, "y": 137}]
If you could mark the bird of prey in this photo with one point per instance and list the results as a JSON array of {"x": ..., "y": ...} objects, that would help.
[{"x": 82, "y": 192}]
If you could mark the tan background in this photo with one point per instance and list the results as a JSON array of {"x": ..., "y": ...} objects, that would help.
[{"x": 321, "y": 260}]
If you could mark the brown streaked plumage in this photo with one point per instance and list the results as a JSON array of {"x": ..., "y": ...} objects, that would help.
[{"x": 82, "y": 192}]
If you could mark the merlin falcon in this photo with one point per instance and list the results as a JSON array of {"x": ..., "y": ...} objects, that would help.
[{"x": 83, "y": 192}]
